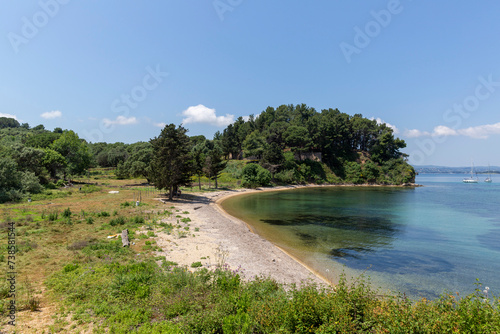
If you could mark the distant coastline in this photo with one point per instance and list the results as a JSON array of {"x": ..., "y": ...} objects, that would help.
[{"x": 430, "y": 169}]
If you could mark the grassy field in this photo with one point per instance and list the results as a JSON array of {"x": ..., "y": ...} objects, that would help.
[
  {"x": 54, "y": 227},
  {"x": 72, "y": 278}
]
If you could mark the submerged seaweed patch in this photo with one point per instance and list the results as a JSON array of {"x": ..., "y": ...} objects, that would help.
[
  {"x": 378, "y": 225},
  {"x": 349, "y": 252},
  {"x": 490, "y": 239},
  {"x": 399, "y": 262}
]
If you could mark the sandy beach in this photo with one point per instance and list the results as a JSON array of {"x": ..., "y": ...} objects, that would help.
[{"x": 215, "y": 237}]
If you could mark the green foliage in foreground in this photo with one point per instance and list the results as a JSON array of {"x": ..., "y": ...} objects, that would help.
[
  {"x": 120, "y": 295},
  {"x": 255, "y": 175}
]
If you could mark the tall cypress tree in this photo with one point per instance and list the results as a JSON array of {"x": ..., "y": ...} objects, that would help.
[{"x": 171, "y": 165}]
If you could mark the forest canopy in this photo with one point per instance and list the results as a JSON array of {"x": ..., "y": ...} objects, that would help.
[
  {"x": 298, "y": 144},
  {"x": 290, "y": 144}
]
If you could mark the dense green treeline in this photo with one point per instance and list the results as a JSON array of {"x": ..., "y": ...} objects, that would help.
[
  {"x": 287, "y": 145},
  {"x": 32, "y": 159},
  {"x": 290, "y": 141}
]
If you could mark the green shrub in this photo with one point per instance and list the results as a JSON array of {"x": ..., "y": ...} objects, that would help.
[
  {"x": 239, "y": 323},
  {"x": 138, "y": 220},
  {"x": 103, "y": 214},
  {"x": 285, "y": 177},
  {"x": 117, "y": 221},
  {"x": 353, "y": 173},
  {"x": 30, "y": 183},
  {"x": 70, "y": 267},
  {"x": 90, "y": 220},
  {"x": 50, "y": 185},
  {"x": 133, "y": 280},
  {"x": 371, "y": 171},
  {"x": 234, "y": 168},
  {"x": 255, "y": 175},
  {"x": 196, "y": 264},
  {"x": 53, "y": 216},
  {"x": 90, "y": 188},
  {"x": 66, "y": 213},
  {"x": 102, "y": 248}
]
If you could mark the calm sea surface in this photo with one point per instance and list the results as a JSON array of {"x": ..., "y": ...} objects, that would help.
[{"x": 418, "y": 241}]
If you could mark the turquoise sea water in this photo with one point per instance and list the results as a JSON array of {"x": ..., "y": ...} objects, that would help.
[{"x": 418, "y": 241}]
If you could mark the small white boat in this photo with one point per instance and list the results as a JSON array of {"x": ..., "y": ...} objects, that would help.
[
  {"x": 488, "y": 179},
  {"x": 471, "y": 179}
]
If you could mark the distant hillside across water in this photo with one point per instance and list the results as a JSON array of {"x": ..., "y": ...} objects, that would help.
[{"x": 427, "y": 169}]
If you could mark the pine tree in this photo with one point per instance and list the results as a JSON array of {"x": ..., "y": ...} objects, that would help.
[
  {"x": 171, "y": 165},
  {"x": 214, "y": 164}
]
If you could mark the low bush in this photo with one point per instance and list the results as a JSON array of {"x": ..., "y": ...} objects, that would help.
[
  {"x": 66, "y": 213},
  {"x": 117, "y": 221},
  {"x": 138, "y": 220},
  {"x": 53, "y": 216},
  {"x": 142, "y": 296},
  {"x": 255, "y": 175},
  {"x": 89, "y": 188},
  {"x": 103, "y": 214},
  {"x": 196, "y": 264}
]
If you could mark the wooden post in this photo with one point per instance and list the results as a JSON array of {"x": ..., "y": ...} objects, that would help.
[{"x": 125, "y": 241}]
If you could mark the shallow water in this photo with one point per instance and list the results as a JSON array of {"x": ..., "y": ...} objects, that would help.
[{"x": 418, "y": 241}]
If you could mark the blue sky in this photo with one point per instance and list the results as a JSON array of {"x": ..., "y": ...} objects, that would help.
[{"x": 118, "y": 71}]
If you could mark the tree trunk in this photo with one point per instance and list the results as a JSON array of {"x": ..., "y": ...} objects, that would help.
[
  {"x": 171, "y": 193},
  {"x": 125, "y": 241}
]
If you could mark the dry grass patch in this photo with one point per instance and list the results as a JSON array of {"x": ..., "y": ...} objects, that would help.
[{"x": 45, "y": 246}]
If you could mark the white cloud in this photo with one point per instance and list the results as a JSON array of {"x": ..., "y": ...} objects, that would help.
[
  {"x": 159, "y": 125},
  {"x": 439, "y": 131},
  {"x": 202, "y": 114},
  {"x": 414, "y": 133},
  {"x": 51, "y": 114},
  {"x": 380, "y": 121},
  {"x": 442, "y": 130},
  {"x": 481, "y": 131},
  {"x": 8, "y": 116},
  {"x": 120, "y": 120},
  {"x": 477, "y": 132}
]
